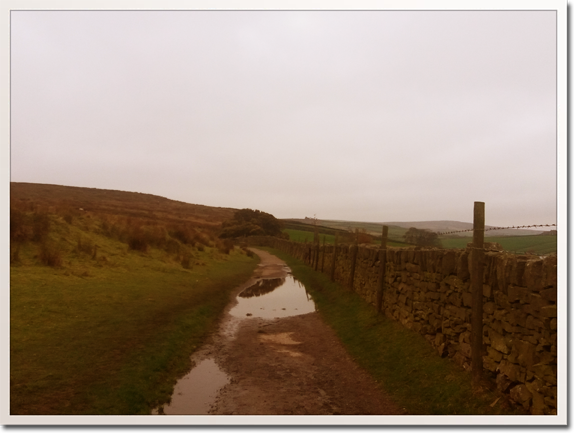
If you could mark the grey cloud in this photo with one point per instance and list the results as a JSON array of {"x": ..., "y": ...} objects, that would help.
[{"x": 348, "y": 115}]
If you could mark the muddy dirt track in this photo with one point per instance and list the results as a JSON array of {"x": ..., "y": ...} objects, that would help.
[{"x": 283, "y": 366}]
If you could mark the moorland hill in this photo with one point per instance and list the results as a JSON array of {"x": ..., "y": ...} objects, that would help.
[{"x": 119, "y": 203}]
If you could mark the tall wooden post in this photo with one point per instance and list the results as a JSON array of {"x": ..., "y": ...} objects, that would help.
[
  {"x": 323, "y": 255},
  {"x": 383, "y": 271},
  {"x": 316, "y": 247},
  {"x": 354, "y": 249},
  {"x": 334, "y": 260},
  {"x": 477, "y": 291}
]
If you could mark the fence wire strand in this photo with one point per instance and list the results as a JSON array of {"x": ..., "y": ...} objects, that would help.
[{"x": 499, "y": 228}]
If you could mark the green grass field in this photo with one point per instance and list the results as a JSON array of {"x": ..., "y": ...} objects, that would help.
[
  {"x": 305, "y": 236},
  {"x": 536, "y": 244},
  {"x": 302, "y": 236},
  {"x": 519, "y": 244},
  {"x": 115, "y": 340},
  {"x": 110, "y": 332},
  {"x": 515, "y": 244}
]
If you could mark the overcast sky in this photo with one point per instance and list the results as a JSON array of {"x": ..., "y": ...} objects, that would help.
[{"x": 354, "y": 115}]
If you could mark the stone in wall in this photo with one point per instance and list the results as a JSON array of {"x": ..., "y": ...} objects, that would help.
[{"x": 449, "y": 261}]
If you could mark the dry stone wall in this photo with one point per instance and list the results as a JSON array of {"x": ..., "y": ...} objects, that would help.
[{"x": 428, "y": 291}]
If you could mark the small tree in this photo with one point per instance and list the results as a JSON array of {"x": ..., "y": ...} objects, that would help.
[
  {"x": 248, "y": 222},
  {"x": 422, "y": 237}
]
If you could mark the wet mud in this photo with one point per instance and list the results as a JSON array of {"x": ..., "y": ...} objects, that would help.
[{"x": 273, "y": 355}]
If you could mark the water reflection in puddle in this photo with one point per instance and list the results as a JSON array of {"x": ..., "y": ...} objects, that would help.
[
  {"x": 268, "y": 298},
  {"x": 196, "y": 391},
  {"x": 273, "y": 297}
]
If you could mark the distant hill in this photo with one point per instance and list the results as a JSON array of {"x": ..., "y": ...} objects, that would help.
[
  {"x": 152, "y": 207},
  {"x": 447, "y": 226},
  {"x": 398, "y": 228},
  {"x": 112, "y": 202}
]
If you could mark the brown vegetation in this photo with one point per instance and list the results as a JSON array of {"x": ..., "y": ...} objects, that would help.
[
  {"x": 39, "y": 215},
  {"x": 50, "y": 254},
  {"x": 248, "y": 222}
]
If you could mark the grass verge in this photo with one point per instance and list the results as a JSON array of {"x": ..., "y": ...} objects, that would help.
[
  {"x": 111, "y": 339},
  {"x": 402, "y": 361}
]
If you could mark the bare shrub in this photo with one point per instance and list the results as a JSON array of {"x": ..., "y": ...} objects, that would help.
[
  {"x": 201, "y": 239},
  {"x": 183, "y": 234},
  {"x": 186, "y": 261},
  {"x": 137, "y": 241},
  {"x": 141, "y": 235},
  {"x": 225, "y": 246},
  {"x": 135, "y": 236},
  {"x": 172, "y": 246},
  {"x": 155, "y": 235},
  {"x": 108, "y": 228},
  {"x": 18, "y": 229},
  {"x": 50, "y": 255},
  {"x": 40, "y": 226},
  {"x": 85, "y": 246},
  {"x": 112, "y": 228}
]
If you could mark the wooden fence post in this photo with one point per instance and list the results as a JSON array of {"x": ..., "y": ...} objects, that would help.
[
  {"x": 323, "y": 255},
  {"x": 477, "y": 291},
  {"x": 334, "y": 261},
  {"x": 354, "y": 249},
  {"x": 383, "y": 271},
  {"x": 316, "y": 247}
]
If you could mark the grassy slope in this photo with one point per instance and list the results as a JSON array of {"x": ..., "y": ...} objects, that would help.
[
  {"x": 93, "y": 338},
  {"x": 109, "y": 329},
  {"x": 402, "y": 361}
]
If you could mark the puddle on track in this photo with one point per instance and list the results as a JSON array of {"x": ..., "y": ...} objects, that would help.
[
  {"x": 196, "y": 391},
  {"x": 268, "y": 298},
  {"x": 273, "y": 298}
]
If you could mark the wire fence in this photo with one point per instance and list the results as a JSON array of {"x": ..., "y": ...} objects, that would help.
[{"x": 499, "y": 228}]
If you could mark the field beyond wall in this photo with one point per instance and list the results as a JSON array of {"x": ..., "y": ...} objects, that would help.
[{"x": 534, "y": 244}]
